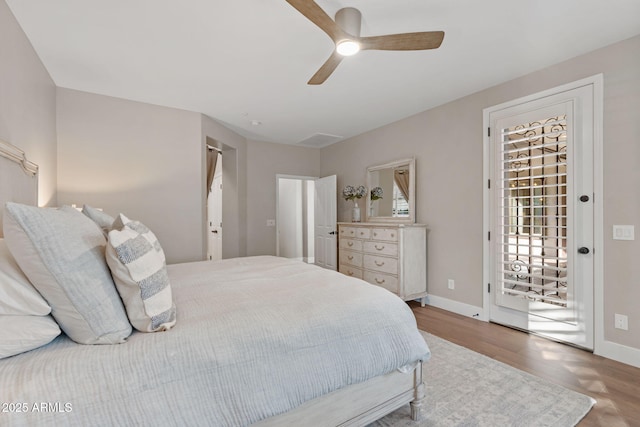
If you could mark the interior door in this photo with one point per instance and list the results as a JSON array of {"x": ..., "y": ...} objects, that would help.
[
  {"x": 325, "y": 222},
  {"x": 215, "y": 219},
  {"x": 541, "y": 213}
]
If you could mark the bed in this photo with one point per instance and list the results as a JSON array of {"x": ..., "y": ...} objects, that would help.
[{"x": 257, "y": 340}]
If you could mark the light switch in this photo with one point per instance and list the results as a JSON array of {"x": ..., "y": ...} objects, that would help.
[{"x": 623, "y": 232}]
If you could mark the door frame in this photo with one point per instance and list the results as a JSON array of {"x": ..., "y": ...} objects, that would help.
[
  {"x": 278, "y": 178},
  {"x": 596, "y": 82}
]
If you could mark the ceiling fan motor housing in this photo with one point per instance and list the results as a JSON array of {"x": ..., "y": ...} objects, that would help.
[{"x": 349, "y": 19}]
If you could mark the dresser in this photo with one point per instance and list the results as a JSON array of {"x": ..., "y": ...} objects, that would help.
[{"x": 393, "y": 256}]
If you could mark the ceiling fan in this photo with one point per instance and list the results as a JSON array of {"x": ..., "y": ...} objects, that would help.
[{"x": 345, "y": 33}]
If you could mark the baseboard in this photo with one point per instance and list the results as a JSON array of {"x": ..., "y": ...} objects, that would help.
[
  {"x": 619, "y": 353},
  {"x": 456, "y": 307}
]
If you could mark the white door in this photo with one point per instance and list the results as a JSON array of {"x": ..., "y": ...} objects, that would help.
[
  {"x": 325, "y": 220},
  {"x": 215, "y": 218},
  {"x": 541, "y": 230}
]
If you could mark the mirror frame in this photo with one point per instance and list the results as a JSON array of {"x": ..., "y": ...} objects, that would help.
[{"x": 412, "y": 192}]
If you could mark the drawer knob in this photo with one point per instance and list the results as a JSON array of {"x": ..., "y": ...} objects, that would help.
[
  {"x": 375, "y": 234},
  {"x": 379, "y": 264},
  {"x": 377, "y": 248},
  {"x": 350, "y": 243},
  {"x": 350, "y": 257},
  {"x": 378, "y": 281},
  {"x": 350, "y": 273},
  {"x": 393, "y": 235}
]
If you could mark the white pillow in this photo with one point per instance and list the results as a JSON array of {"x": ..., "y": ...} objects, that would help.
[
  {"x": 137, "y": 265},
  {"x": 23, "y": 333},
  {"x": 61, "y": 251},
  {"x": 17, "y": 294}
]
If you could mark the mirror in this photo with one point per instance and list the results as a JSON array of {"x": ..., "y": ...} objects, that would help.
[{"x": 391, "y": 195}]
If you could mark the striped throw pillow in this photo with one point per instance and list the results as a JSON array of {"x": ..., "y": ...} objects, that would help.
[{"x": 137, "y": 264}]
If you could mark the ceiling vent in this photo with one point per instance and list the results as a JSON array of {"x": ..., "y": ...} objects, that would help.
[{"x": 320, "y": 140}]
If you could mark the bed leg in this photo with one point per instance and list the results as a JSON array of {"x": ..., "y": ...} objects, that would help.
[{"x": 418, "y": 404}]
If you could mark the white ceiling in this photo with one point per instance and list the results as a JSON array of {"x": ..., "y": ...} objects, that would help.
[{"x": 243, "y": 60}]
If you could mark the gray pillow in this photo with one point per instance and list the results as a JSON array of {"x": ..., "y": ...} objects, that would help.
[
  {"x": 62, "y": 252},
  {"x": 103, "y": 220}
]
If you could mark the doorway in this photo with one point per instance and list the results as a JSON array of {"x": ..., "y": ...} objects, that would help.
[
  {"x": 306, "y": 219},
  {"x": 295, "y": 233},
  {"x": 540, "y": 210},
  {"x": 214, "y": 204}
]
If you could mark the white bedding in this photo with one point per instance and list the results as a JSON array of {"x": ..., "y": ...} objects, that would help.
[{"x": 254, "y": 337}]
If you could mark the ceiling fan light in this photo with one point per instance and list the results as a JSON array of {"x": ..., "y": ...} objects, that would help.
[{"x": 348, "y": 47}]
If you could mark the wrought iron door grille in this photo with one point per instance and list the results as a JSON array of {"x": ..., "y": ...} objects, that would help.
[{"x": 534, "y": 206}]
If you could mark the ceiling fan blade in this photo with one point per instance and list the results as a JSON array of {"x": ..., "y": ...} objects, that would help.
[
  {"x": 318, "y": 16},
  {"x": 406, "y": 41},
  {"x": 327, "y": 68}
]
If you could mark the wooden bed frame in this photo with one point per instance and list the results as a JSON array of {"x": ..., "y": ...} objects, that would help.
[
  {"x": 355, "y": 405},
  {"x": 359, "y": 404}
]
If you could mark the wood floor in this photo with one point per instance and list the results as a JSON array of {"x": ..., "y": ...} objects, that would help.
[{"x": 614, "y": 385}]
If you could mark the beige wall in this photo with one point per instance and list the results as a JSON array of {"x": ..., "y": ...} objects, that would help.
[
  {"x": 139, "y": 159},
  {"x": 148, "y": 162},
  {"x": 264, "y": 161},
  {"x": 27, "y": 103},
  {"x": 447, "y": 143}
]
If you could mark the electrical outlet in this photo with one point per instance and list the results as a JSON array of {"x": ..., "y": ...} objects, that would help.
[
  {"x": 451, "y": 284},
  {"x": 621, "y": 322}
]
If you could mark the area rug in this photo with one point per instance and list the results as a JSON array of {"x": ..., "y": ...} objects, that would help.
[{"x": 465, "y": 388}]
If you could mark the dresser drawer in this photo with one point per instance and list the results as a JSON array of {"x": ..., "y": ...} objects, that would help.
[
  {"x": 387, "y": 234},
  {"x": 386, "y": 281},
  {"x": 382, "y": 264},
  {"x": 350, "y": 271},
  {"x": 350, "y": 244},
  {"x": 363, "y": 233},
  {"x": 355, "y": 232},
  {"x": 351, "y": 258},
  {"x": 346, "y": 232},
  {"x": 381, "y": 248}
]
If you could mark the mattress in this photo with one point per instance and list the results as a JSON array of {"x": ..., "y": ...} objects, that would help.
[{"x": 255, "y": 337}]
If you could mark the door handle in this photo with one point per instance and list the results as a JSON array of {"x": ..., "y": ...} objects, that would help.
[
  {"x": 214, "y": 231},
  {"x": 583, "y": 250},
  {"x": 332, "y": 233},
  {"x": 584, "y": 198}
]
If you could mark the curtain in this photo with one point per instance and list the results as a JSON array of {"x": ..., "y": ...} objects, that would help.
[
  {"x": 401, "y": 178},
  {"x": 212, "y": 160}
]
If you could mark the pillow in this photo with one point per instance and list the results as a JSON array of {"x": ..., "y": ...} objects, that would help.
[
  {"x": 61, "y": 251},
  {"x": 121, "y": 220},
  {"x": 23, "y": 333},
  {"x": 137, "y": 264},
  {"x": 104, "y": 220},
  {"x": 17, "y": 294}
]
